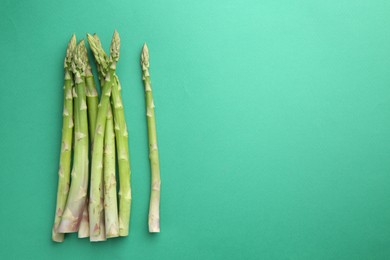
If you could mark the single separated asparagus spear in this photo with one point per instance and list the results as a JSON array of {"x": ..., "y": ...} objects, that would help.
[
  {"x": 78, "y": 189},
  {"x": 97, "y": 230},
  {"x": 154, "y": 206},
  {"x": 66, "y": 144},
  {"x": 122, "y": 144},
  {"x": 110, "y": 201}
]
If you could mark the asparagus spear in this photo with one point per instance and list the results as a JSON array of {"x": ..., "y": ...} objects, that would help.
[
  {"x": 122, "y": 145},
  {"x": 123, "y": 159},
  {"x": 78, "y": 189},
  {"x": 110, "y": 201},
  {"x": 102, "y": 67},
  {"x": 97, "y": 229},
  {"x": 66, "y": 147},
  {"x": 154, "y": 206}
]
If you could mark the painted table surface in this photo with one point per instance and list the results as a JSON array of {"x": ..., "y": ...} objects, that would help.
[{"x": 273, "y": 121}]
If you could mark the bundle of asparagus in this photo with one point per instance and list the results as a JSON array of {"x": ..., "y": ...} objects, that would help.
[
  {"x": 99, "y": 126},
  {"x": 97, "y": 217}
]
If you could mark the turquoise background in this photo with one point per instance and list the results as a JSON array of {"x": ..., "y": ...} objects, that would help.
[{"x": 273, "y": 123}]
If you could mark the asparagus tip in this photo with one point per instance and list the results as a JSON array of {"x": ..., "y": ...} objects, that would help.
[
  {"x": 72, "y": 41},
  {"x": 145, "y": 47},
  {"x": 81, "y": 53},
  {"x": 99, "y": 54},
  {"x": 145, "y": 55},
  {"x": 88, "y": 69},
  {"x": 97, "y": 40},
  {"x": 79, "y": 61},
  {"x": 115, "y": 46},
  {"x": 69, "y": 51}
]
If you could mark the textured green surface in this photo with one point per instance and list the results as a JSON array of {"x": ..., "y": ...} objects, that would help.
[{"x": 273, "y": 122}]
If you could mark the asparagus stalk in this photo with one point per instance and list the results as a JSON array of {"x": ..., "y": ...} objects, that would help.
[
  {"x": 92, "y": 104},
  {"x": 97, "y": 229},
  {"x": 110, "y": 201},
  {"x": 66, "y": 143},
  {"x": 102, "y": 66},
  {"x": 101, "y": 79},
  {"x": 154, "y": 206},
  {"x": 123, "y": 159},
  {"x": 78, "y": 189},
  {"x": 121, "y": 137}
]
